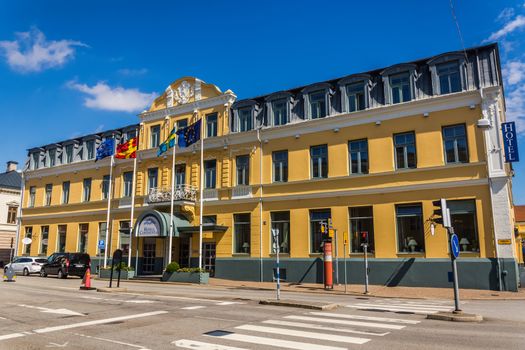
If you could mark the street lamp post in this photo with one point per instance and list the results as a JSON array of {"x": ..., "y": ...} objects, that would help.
[{"x": 275, "y": 234}]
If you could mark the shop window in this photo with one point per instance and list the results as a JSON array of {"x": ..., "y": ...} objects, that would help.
[
  {"x": 281, "y": 222},
  {"x": 362, "y": 229},
  {"x": 317, "y": 217},
  {"x": 410, "y": 236},
  {"x": 463, "y": 217},
  {"x": 241, "y": 233},
  {"x": 61, "y": 238},
  {"x": 83, "y": 237},
  {"x": 28, "y": 234}
]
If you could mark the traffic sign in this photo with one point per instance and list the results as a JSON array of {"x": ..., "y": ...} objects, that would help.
[
  {"x": 454, "y": 245},
  {"x": 101, "y": 244}
]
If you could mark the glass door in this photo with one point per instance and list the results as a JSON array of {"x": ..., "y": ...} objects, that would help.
[
  {"x": 148, "y": 256},
  {"x": 208, "y": 257}
]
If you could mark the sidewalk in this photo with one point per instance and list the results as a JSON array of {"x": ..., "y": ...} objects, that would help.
[{"x": 376, "y": 291}]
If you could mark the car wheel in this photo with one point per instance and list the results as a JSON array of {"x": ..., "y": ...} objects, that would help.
[
  {"x": 25, "y": 272},
  {"x": 43, "y": 273},
  {"x": 60, "y": 274}
]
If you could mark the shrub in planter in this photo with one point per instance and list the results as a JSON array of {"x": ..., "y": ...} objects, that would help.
[
  {"x": 126, "y": 271},
  {"x": 186, "y": 274},
  {"x": 172, "y": 267}
]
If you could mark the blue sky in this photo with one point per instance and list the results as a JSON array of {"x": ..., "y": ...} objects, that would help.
[{"x": 70, "y": 68}]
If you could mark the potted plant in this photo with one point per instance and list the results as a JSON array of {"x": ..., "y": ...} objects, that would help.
[
  {"x": 174, "y": 273},
  {"x": 126, "y": 272}
]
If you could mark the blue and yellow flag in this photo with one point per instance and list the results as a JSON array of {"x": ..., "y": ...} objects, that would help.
[{"x": 169, "y": 143}]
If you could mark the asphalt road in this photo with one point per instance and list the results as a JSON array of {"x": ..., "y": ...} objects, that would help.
[{"x": 47, "y": 313}]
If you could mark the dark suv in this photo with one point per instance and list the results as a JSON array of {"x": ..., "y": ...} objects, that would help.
[{"x": 66, "y": 264}]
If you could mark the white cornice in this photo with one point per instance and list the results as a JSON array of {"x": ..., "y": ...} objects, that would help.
[
  {"x": 341, "y": 120},
  {"x": 228, "y": 97}
]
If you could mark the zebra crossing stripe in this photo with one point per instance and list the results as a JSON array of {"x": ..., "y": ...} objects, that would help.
[
  {"x": 345, "y": 322},
  {"x": 392, "y": 308},
  {"x": 224, "y": 303},
  {"x": 303, "y": 334},
  {"x": 288, "y": 344},
  {"x": 404, "y": 306},
  {"x": 320, "y": 327},
  {"x": 366, "y": 318},
  {"x": 193, "y": 307},
  {"x": 198, "y": 345}
]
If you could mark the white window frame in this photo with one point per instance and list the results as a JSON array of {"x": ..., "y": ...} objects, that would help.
[
  {"x": 446, "y": 58},
  {"x": 411, "y": 70}
]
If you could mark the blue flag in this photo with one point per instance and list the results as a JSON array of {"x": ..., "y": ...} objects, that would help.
[
  {"x": 169, "y": 143},
  {"x": 190, "y": 134},
  {"x": 105, "y": 149}
]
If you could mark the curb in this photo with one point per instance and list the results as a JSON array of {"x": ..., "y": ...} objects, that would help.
[
  {"x": 455, "y": 317},
  {"x": 112, "y": 290},
  {"x": 302, "y": 305}
]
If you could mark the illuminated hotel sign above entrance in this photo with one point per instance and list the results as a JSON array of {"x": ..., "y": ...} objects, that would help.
[
  {"x": 510, "y": 142},
  {"x": 149, "y": 227}
]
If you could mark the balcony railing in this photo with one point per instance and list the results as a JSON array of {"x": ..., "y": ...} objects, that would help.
[
  {"x": 242, "y": 191},
  {"x": 210, "y": 194},
  {"x": 163, "y": 194}
]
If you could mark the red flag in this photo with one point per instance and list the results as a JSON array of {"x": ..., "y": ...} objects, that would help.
[{"x": 127, "y": 150}]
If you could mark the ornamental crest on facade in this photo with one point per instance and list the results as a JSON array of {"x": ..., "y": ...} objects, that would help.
[{"x": 184, "y": 92}]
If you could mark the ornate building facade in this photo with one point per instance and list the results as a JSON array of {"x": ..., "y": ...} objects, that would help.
[{"x": 369, "y": 151}]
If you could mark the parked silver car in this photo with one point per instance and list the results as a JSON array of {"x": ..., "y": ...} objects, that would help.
[{"x": 27, "y": 265}]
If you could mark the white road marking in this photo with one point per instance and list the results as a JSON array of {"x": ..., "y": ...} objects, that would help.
[
  {"x": 412, "y": 306},
  {"x": 345, "y": 322},
  {"x": 216, "y": 318},
  {"x": 288, "y": 344},
  {"x": 303, "y": 334},
  {"x": 392, "y": 308},
  {"x": 11, "y": 336},
  {"x": 97, "y": 322},
  {"x": 3, "y": 318},
  {"x": 133, "y": 301},
  {"x": 366, "y": 318},
  {"x": 56, "y": 345},
  {"x": 198, "y": 345},
  {"x": 315, "y": 326},
  {"x": 224, "y": 303},
  {"x": 193, "y": 307},
  {"x": 112, "y": 341},
  {"x": 174, "y": 297},
  {"x": 53, "y": 311}
]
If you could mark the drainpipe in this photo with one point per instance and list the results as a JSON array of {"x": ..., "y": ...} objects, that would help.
[
  {"x": 19, "y": 221},
  {"x": 260, "y": 201}
]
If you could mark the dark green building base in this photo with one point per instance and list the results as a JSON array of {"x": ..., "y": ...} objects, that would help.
[{"x": 474, "y": 273}]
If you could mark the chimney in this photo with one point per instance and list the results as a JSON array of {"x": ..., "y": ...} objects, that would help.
[{"x": 11, "y": 165}]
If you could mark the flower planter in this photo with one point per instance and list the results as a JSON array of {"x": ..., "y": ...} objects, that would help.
[
  {"x": 188, "y": 277},
  {"x": 124, "y": 275}
]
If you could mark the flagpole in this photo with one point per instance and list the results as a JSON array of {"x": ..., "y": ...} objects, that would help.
[
  {"x": 132, "y": 202},
  {"x": 201, "y": 201},
  {"x": 109, "y": 206},
  {"x": 170, "y": 244}
]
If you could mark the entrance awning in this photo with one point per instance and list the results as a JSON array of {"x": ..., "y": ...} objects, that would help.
[{"x": 153, "y": 223}]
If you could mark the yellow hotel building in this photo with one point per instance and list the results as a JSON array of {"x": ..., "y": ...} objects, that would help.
[{"x": 370, "y": 151}]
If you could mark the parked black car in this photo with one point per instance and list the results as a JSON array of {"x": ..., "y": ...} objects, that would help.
[{"x": 66, "y": 264}]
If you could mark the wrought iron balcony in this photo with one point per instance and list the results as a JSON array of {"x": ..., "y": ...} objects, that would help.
[
  {"x": 163, "y": 194},
  {"x": 242, "y": 191}
]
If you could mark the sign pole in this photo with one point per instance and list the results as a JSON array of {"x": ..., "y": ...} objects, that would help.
[
  {"x": 344, "y": 258},
  {"x": 365, "y": 246},
  {"x": 111, "y": 164},
  {"x": 454, "y": 251},
  {"x": 275, "y": 233},
  {"x": 336, "y": 258}
]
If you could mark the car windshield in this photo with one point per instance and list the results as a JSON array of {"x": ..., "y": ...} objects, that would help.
[{"x": 42, "y": 261}]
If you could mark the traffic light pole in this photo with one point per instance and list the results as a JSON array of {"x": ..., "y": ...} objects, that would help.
[{"x": 454, "y": 273}]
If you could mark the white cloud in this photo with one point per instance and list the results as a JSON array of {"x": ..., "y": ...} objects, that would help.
[
  {"x": 508, "y": 28},
  {"x": 505, "y": 14},
  {"x": 132, "y": 72},
  {"x": 514, "y": 72},
  {"x": 514, "y": 76},
  {"x": 31, "y": 52},
  {"x": 102, "y": 96}
]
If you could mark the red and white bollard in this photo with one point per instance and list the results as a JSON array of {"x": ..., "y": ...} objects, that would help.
[{"x": 328, "y": 272}]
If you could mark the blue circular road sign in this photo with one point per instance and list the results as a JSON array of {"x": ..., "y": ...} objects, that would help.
[{"x": 454, "y": 245}]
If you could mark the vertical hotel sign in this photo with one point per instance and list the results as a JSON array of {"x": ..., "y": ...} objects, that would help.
[{"x": 510, "y": 142}]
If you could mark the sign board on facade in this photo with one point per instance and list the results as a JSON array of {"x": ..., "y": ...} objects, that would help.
[
  {"x": 504, "y": 241},
  {"x": 149, "y": 227},
  {"x": 101, "y": 244},
  {"x": 510, "y": 142}
]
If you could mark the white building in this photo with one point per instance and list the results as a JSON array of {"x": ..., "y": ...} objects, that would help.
[{"x": 10, "y": 188}]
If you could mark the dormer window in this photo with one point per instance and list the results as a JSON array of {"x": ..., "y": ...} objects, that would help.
[
  {"x": 449, "y": 77},
  {"x": 448, "y": 73},
  {"x": 245, "y": 119},
  {"x": 317, "y": 104},
  {"x": 52, "y": 153},
  {"x": 280, "y": 112},
  {"x": 35, "y": 161},
  {"x": 69, "y": 154},
  {"x": 90, "y": 149},
  {"x": 355, "y": 94},
  {"x": 400, "y": 86},
  {"x": 400, "y": 83}
]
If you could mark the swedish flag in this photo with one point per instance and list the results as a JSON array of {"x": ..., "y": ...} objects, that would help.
[
  {"x": 169, "y": 143},
  {"x": 190, "y": 134}
]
